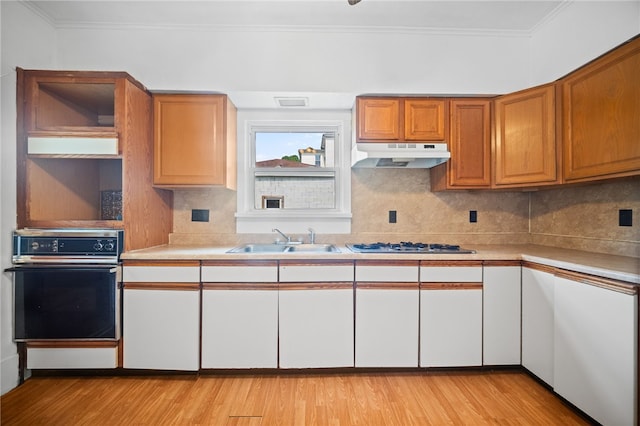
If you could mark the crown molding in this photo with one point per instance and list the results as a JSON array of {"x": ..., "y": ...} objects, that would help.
[
  {"x": 327, "y": 29},
  {"x": 61, "y": 24}
]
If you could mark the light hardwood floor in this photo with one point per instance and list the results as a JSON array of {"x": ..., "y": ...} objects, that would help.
[{"x": 326, "y": 398}]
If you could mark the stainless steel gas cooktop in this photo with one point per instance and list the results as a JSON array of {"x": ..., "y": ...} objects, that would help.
[{"x": 406, "y": 247}]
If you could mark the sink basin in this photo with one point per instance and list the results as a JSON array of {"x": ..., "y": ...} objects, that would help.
[
  {"x": 285, "y": 248},
  {"x": 259, "y": 248},
  {"x": 312, "y": 248}
]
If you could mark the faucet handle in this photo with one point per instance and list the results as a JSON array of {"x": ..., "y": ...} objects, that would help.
[{"x": 312, "y": 236}]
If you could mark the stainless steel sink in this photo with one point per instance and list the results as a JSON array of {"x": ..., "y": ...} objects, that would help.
[
  {"x": 259, "y": 248},
  {"x": 313, "y": 248},
  {"x": 285, "y": 248}
]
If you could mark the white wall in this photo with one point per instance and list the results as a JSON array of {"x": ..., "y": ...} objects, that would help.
[
  {"x": 27, "y": 42},
  {"x": 581, "y": 32},
  {"x": 294, "y": 61}
]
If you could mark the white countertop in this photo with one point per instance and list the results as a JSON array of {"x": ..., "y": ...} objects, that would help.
[{"x": 604, "y": 265}]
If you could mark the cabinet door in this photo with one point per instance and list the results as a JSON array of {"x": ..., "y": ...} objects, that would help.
[
  {"x": 379, "y": 119},
  {"x": 525, "y": 152},
  {"x": 239, "y": 314},
  {"x": 240, "y": 326},
  {"x": 316, "y": 325},
  {"x": 537, "y": 323},
  {"x": 425, "y": 119},
  {"x": 387, "y": 299},
  {"x": 161, "y": 327},
  {"x": 595, "y": 350},
  {"x": 601, "y": 106},
  {"x": 450, "y": 314},
  {"x": 470, "y": 146},
  {"x": 501, "y": 315},
  {"x": 161, "y": 315},
  {"x": 191, "y": 140},
  {"x": 387, "y": 326},
  {"x": 451, "y": 326}
]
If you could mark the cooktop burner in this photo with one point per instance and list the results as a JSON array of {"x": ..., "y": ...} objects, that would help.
[{"x": 406, "y": 247}]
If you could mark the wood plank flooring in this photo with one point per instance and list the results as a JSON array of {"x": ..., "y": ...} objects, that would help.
[{"x": 317, "y": 398}]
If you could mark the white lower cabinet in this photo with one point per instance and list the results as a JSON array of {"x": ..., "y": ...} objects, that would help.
[
  {"x": 595, "y": 349},
  {"x": 240, "y": 314},
  {"x": 450, "y": 314},
  {"x": 537, "y": 321},
  {"x": 387, "y": 299},
  {"x": 501, "y": 313},
  {"x": 161, "y": 316},
  {"x": 316, "y": 317}
]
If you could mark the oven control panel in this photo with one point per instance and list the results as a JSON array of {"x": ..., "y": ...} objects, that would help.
[
  {"x": 67, "y": 246},
  {"x": 103, "y": 244}
]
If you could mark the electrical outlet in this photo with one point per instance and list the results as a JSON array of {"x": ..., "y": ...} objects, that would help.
[
  {"x": 393, "y": 217},
  {"x": 473, "y": 216},
  {"x": 625, "y": 217},
  {"x": 198, "y": 215}
]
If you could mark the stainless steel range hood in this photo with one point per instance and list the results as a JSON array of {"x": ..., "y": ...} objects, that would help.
[{"x": 417, "y": 155}]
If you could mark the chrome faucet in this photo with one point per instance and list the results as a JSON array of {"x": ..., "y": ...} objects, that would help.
[
  {"x": 312, "y": 236},
  {"x": 286, "y": 237}
]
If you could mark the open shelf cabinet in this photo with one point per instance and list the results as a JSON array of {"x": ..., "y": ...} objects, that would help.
[{"x": 84, "y": 153}]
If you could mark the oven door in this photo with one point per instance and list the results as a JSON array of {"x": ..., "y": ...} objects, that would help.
[{"x": 66, "y": 303}]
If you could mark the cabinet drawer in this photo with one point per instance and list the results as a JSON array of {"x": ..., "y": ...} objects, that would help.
[
  {"x": 391, "y": 272},
  {"x": 163, "y": 274},
  {"x": 63, "y": 358},
  {"x": 443, "y": 274},
  {"x": 240, "y": 273},
  {"x": 316, "y": 272}
]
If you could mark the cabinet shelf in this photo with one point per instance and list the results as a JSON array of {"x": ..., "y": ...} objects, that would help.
[
  {"x": 76, "y": 156},
  {"x": 71, "y": 104},
  {"x": 75, "y": 131},
  {"x": 77, "y": 181}
]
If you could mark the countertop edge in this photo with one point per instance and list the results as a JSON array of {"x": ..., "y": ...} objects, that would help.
[{"x": 620, "y": 268}]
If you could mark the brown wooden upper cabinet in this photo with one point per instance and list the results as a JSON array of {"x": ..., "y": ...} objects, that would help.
[
  {"x": 394, "y": 119},
  {"x": 601, "y": 116},
  {"x": 525, "y": 151},
  {"x": 470, "y": 145},
  {"x": 83, "y": 155},
  {"x": 194, "y": 140}
]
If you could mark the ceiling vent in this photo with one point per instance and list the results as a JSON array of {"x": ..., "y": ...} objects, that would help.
[{"x": 292, "y": 102}]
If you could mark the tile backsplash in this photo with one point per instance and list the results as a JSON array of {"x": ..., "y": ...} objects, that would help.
[
  {"x": 580, "y": 217},
  {"x": 586, "y": 217}
]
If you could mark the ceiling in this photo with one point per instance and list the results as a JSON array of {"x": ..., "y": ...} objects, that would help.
[{"x": 519, "y": 16}]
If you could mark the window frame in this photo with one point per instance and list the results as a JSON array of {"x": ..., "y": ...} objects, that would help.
[{"x": 250, "y": 219}]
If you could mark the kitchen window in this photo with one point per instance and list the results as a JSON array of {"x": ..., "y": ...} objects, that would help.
[{"x": 294, "y": 172}]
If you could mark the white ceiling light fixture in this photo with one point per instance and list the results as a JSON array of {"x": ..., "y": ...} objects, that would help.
[{"x": 292, "y": 102}]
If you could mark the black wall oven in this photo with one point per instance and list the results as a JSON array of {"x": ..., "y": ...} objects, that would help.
[
  {"x": 66, "y": 284},
  {"x": 66, "y": 303}
]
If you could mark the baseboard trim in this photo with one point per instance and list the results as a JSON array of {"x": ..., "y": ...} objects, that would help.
[{"x": 9, "y": 378}]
